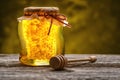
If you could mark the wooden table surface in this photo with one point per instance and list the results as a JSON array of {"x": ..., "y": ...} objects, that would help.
[{"x": 107, "y": 67}]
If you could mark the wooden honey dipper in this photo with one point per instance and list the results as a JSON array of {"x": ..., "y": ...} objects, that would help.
[{"x": 59, "y": 62}]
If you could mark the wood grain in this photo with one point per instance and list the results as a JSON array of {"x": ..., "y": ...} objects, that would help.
[{"x": 107, "y": 67}]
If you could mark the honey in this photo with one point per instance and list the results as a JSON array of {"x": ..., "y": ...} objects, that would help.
[{"x": 40, "y": 34}]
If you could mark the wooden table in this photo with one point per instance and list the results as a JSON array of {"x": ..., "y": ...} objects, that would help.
[{"x": 107, "y": 67}]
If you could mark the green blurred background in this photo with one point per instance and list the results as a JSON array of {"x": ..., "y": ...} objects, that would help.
[{"x": 95, "y": 24}]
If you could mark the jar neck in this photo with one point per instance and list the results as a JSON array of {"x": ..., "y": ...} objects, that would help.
[
  {"x": 55, "y": 15},
  {"x": 41, "y": 13}
]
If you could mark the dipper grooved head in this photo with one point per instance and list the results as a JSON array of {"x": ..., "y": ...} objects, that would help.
[{"x": 58, "y": 62}]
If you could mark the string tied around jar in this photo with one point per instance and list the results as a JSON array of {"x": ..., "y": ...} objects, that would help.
[
  {"x": 59, "y": 17},
  {"x": 47, "y": 12}
]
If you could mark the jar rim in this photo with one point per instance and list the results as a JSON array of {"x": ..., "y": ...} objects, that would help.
[
  {"x": 41, "y": 9},
  {"x": 28, "y": 11}
]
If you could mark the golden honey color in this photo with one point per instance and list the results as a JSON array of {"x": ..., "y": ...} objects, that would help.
[{"x": 37, "y": 46}]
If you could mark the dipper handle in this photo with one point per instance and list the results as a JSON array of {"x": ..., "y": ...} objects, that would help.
[{"x": 91, "y": 59}]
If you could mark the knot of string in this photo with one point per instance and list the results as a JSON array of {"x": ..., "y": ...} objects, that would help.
[{"x": 59, "y": 17}]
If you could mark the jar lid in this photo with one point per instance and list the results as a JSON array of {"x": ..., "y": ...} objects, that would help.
[{"x": 28, "y": 11}]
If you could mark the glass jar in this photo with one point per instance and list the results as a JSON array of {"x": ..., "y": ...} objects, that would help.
[{"x": 40, "y": 34}]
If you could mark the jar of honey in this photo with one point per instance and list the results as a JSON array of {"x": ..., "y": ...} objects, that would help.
[{"x": 40, "y": 34}]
